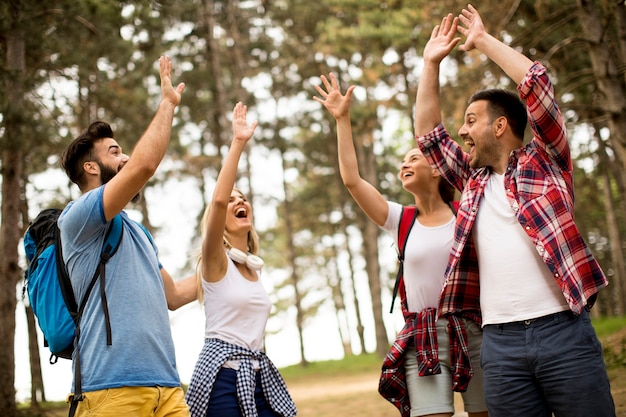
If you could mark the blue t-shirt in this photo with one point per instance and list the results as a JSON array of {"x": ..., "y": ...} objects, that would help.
[{"x": 142, "y": 352}]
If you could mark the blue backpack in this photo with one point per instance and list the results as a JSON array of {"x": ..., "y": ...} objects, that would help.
[{"x": 49, "y": 287}]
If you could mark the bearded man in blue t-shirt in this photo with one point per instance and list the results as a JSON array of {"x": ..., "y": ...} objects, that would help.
[{"x": 135, "y": 374}]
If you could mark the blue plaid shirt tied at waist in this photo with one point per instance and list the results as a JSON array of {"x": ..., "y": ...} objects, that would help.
[{"x": 214, "y": 354}]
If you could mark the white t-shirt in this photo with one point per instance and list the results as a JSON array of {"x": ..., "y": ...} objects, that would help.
[
  {"x": 425, "y": 258},
  {"x": 515, "y": 283}
]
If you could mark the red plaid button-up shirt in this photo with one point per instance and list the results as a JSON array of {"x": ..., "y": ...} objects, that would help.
[{"x": 539, "y": 187}]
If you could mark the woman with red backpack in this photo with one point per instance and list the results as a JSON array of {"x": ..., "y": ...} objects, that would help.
[{"x": 431, "y": 357}]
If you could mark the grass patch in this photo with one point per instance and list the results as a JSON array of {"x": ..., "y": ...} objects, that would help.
[
  {"x": 610, "y": 332},
  {"x": 606, "y": 326},
  {"x": 350, "y": 365},
  {"x": 43, "y": 409}
]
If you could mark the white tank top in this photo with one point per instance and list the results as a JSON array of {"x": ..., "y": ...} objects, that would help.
[
  {"x": 515, "y": 283},
  {"x": 236, "y": 309}
]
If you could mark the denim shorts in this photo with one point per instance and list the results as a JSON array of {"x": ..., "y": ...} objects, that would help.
[
  {"x": 433, "y": 394},
  {"x": 552, "y": 364}
]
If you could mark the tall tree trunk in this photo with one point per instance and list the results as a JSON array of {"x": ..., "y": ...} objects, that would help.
[
  {"x": 357, "y": 306},
  {"x": 237, "y": 50},
  {"x": 237, "y": 73},
  {"x": 343, "y": 202},
  {"x": 339, "y": 304},
  {"x": 620, "y": 21},
  {"x": 142, "y": 205},
  {"x": 11, "y": 171},
  {"x": 9, "y": 270},
  {"x": 607, "y": 70},
  {"x": 617, "y": 253},
  {"x": 291, "y": 258},
  {"x": 370, "y": 248},
  {"x": 37, "y": 392},
  {"x": 607, "y": 61},
  {"x": 218, "y": 111}
]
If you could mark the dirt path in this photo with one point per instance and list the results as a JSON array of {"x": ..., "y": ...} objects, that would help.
[
  {"x": 363, "y": 384},
  {"x": 358, "y": 395}
]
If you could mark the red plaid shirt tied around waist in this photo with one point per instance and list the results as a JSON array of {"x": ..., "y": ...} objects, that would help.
[{"x": 420, "y": 331}]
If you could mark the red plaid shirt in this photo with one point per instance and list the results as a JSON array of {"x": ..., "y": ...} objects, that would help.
[{"x": 539, "y": 186}]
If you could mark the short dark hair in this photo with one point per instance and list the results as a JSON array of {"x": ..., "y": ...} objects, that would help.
[
  {"x": 80, "y": 149},
  {"x": 504, "y": 103}
]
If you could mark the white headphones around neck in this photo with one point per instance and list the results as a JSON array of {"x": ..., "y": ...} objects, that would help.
[{"x": 251, "y": 261}]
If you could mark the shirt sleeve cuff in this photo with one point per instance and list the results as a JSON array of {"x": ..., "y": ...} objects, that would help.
[
  {"x": 526, "y": 85},
  {"x": 432, "y": 138}
]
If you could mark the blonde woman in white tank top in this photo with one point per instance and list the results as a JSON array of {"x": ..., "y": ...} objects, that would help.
[{"x": 233, "y": 376}]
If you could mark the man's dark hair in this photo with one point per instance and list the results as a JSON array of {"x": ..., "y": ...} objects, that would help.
[
  {"x": 504, "y": 103},
  {"x": 80, "y": 151}
]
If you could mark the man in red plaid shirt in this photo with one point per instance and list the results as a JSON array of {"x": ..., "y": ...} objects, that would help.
[{"x": 515, "y": 225}]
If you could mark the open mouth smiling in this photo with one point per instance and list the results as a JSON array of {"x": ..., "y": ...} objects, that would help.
[
  {"x": 241, "y": 213},
  {"x": 469, "y": 144}
]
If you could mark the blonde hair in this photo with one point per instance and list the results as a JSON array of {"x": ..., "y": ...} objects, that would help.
[{"x": 252, "y": 244}]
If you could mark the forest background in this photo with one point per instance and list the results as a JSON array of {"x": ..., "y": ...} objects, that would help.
[{"x": 65, "y": 63}]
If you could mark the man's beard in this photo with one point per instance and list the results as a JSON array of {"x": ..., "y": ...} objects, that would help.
[{"x": 107, "y": 174}]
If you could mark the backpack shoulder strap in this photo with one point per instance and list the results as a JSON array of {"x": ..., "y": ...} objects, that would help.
[
  {"x": 112, "y": 240},
  {"x": 113, "y": 237},
  {"x": 407, "y": 219}
]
